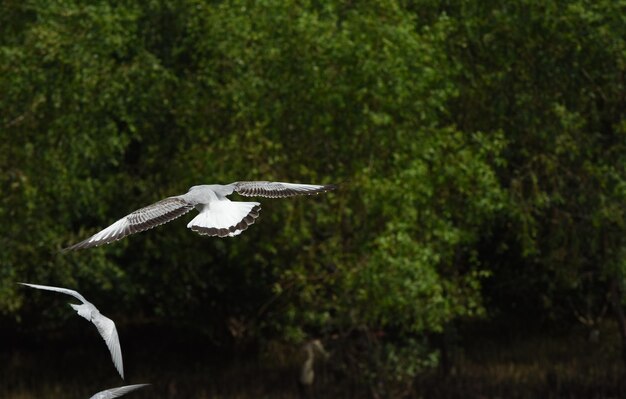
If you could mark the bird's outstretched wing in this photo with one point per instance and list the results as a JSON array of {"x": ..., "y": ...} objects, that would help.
[
  {"x": 57, "y": 289},
  {"x": 278, "y": 189},
  {"x": 117, "y": 392},
  {"x": 107, "y": 330},
  {"x": 142, "y": 219}
]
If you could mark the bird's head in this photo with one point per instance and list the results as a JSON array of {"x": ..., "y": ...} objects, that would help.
[{"x": 83, "y": 310}]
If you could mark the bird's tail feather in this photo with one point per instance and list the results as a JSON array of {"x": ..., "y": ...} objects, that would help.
[{"x": 225, "y": 218}]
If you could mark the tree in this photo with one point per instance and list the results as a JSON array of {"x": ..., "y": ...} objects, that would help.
[{"x": 551, "y": 76}]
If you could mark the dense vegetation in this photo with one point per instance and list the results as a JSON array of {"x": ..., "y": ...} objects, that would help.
[{"x": 480, "y": 149}]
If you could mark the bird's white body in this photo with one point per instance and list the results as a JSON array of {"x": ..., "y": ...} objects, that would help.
[
  {"x": 117, "y": 392},
  {"x": 218, "y": 216},
  {"x": 105, "y": 326}
]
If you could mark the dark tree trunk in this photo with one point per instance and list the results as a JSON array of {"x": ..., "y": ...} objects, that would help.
[
  {"x": 618, "y": 311},
  {"x": 445, "y": 341}
]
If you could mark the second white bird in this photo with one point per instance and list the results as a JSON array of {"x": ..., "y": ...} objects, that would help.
[{"x": 105, "y": 326}]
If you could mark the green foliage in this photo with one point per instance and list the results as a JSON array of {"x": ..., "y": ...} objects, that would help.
[{"x": 551, "y": 75}]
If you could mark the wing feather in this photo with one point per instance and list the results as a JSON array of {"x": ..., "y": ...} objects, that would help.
[
  {"x": 142, "y": 219},
  {"x": 279, "y": 189},
  {"x": 57, "y": 289},
  {"x": 106, "y": 328}
]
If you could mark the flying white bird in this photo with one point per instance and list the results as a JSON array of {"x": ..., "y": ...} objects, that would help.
[
  {"x": 218, "y": 215},
  {"x": 117, "y": 392},
  {"x": 105, "y": 326}
]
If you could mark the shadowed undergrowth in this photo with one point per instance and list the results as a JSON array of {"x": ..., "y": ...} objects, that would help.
[
  {"x": 490, "y": 364},
  {"x": 542, "y": 364}
]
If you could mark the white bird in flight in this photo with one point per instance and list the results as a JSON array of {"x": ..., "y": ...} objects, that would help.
[
  {"x": 117, "y": 392},
  {"x": 218, "y": 216},
  {"x": 105, "y": 326}
]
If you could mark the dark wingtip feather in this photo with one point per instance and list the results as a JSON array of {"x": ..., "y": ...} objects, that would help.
[
  {"x": 329, "y": 187},
  {"x": 82, "y": 245},
  {"x": 72, "y": 248}
]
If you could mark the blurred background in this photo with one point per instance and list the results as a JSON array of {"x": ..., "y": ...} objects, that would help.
[{"x": 475, "y": 248}]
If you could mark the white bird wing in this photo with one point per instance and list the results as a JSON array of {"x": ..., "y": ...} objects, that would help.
[
  {"x": 278, "y": 189},
  {"x": 117, "y": 392},
  {"x": 142, "y": 219},
  {"x": 106, "y": 328},
  {"x": 57, "y": 289}
]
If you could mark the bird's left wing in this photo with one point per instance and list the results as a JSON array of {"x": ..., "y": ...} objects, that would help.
[
  {"x": 106, "y": 328},
  {"x": 142, "y": 219},
  {"x": 117, "y": 392},
  {"x": 272, "y": 189}
]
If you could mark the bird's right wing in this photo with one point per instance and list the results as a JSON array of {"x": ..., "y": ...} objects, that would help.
[
  {"x": 142, "y": 219},
  {"x": 106, "y": 328},
  {"x": 117, "y": 392},
  {"x": 274, "y": 189},
  {"x": 57, "y": 289}
]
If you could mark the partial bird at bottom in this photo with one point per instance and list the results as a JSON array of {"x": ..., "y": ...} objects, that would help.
[{"x": 117, "y": 392}]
